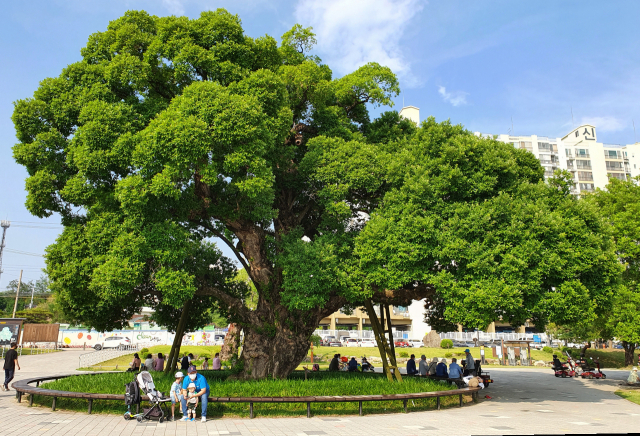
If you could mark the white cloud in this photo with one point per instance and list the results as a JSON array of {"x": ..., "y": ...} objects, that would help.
[
  {"x": 605, "y": 124},
  {"x": 175, "y": 7},
  {"x": 352, "y": 33},
  {"x": 456, "y": 98}
]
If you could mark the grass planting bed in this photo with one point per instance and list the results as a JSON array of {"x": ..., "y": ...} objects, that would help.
[{"x": 317, "y": 384}]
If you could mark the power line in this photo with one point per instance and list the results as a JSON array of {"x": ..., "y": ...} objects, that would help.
[{"x": 26, "y": 253}]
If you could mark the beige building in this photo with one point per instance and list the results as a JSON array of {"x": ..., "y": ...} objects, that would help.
[{"x": 590, "y": 162}]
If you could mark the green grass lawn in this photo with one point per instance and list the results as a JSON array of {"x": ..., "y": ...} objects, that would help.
[
  {"x": 318, "y": 384},
  {"x": 633, "y": 396},
  {"x": 323, "y": 355}
]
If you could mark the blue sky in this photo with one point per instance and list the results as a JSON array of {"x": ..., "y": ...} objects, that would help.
[{"x": 478, "y": 63}]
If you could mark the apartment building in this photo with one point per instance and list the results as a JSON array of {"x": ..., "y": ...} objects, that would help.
[{"x": 590, "y": 162}]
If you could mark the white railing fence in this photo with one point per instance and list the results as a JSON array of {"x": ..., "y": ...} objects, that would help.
[
  {"x": 483, "y": 336},
  {"x": 90, "y": 359},
  {"x": 356, "y": 334},
  {"x": 41, "y": 349}
]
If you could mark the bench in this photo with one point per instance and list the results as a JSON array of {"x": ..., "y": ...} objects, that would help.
[{"x": 24, "y": 387}]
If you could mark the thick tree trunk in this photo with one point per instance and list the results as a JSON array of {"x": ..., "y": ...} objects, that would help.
[
  {"x": 629, "y": 349},
  {"x": 172, "y": 361},
  {"x": 275, "y": 353},
  {"x": 231, "y": 343}
]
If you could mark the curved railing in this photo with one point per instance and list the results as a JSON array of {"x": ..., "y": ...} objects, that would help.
[{"x": 24, "y": 387}]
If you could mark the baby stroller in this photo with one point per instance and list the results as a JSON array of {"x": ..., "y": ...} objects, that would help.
[{"x": 156, "y": 398}]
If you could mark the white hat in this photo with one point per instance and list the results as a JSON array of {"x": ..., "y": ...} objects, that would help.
[
  {"x": 192, "y": 385},
  {"x": 179, "y": 374},
  {"x": 635, "y": 368}
]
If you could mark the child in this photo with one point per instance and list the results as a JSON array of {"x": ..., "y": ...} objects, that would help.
[
  {"x": 176, "y": 393},
  {"x": 205, "y": 364},
  {"x": 192, "y": 402}
]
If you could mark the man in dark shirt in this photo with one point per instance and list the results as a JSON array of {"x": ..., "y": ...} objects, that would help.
[
  {"x": 411, "y": 365},
  {"x": 10, "y": 363}
]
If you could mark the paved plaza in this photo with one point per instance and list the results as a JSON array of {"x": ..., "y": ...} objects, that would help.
[{"x": 528, "y": 401}]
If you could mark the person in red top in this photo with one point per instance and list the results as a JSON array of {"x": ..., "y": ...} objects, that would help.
[{"x": 10, "y": 363}]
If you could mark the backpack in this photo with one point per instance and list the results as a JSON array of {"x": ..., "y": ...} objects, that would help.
[{"x": 132, "y": 394}]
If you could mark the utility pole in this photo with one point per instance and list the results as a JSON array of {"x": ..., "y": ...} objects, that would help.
[
  {"x": 5, "y": 225},
  {"x": 15, "y": 305}
]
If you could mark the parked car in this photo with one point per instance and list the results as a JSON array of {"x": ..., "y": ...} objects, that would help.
[
  {"x": 401, "y": 343},
  {"x": 416, "y": 343},
  {"x": 326, "y": 340},
  {"x": 351, "y": 342},
  {"x": 368, "y": 343},
  {"x": 113, "y": 342},
  {"x": 334, "y": 343}
]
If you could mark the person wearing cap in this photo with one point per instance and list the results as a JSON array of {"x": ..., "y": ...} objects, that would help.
[
  {"x": 176, "y": 393},
  {"x": 423, "y": 366},
  {"x": 441, "y": 369},
  {"x": 470, "y": 364},
  {"x": 633, "y": 376},
  {"x": 201, "y": 391}
]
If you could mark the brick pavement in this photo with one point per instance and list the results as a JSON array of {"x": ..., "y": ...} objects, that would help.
[{"x": 526, "y": 401}]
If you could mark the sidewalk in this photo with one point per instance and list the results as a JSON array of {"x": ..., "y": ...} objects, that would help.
[{"x": 523, "y": 402}]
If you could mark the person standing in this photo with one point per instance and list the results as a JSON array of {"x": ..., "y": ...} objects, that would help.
[
  {"x": 411, "y": 365},
  {"x": 201, "y": 391},
  {"x": 470, "y": 364},
  {"x": 184, "y": 363},
  {"x": 10, "y": 363},
  {"x": 423, "y": 366}
]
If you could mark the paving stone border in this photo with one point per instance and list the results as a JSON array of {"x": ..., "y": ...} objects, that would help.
[{"x": 24, "y": 387}]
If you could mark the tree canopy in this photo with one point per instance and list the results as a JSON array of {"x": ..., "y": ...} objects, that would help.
[{"x": 171, "y": 132}]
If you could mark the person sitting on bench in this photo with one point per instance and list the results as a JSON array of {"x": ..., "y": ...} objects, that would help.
[
  {"x": 411, "y": 365},
  {"x": 441, "y": 369},
  {"x": 454, "y": 369}
]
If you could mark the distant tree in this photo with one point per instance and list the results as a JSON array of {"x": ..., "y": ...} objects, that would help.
[
  {"x": 620, "y": 205},
  {"x": 35, "y": 316}
]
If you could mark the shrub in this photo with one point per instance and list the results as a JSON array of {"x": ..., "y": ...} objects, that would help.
[
  {"x": 463, "y": 354},
  {"x": 404, "y": 354},
  {"x": 448, "y": 355},
  {"x": 315, "y": 340},
  {"x": 143, "y": 353},
  {"x": 547, "y": 349},
  {"x": 446, "y": 343}
]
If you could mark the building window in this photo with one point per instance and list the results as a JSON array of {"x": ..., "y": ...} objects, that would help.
[
  {"x": 544, "y": 146},
  {"x": 612, "y": 154},
  {"x": 583, "y": 164},
  {"x": 582, "y": 152},
  {"x": 526, "y": 145},
  {"x": 614, "y": 166},
  {"x": 587, "y": 187},
  {"x": 568, "y": 152},
  {"x": 585, "y": 176},
  {"x": 618, "y": 176}
]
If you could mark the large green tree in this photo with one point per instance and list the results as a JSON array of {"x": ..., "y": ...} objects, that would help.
[
  {"x": 170, "y": 132},
  {"x": 620, "y": 204}
]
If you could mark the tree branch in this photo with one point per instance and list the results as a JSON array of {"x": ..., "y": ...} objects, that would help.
[
  {"x": 207, "y": 225},
  {"x": 235, "y": 304}
]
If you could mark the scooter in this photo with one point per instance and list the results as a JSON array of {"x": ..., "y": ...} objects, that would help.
[
  {"x": 560, "y": 370},
  {"x": 591, "y": 373}
]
